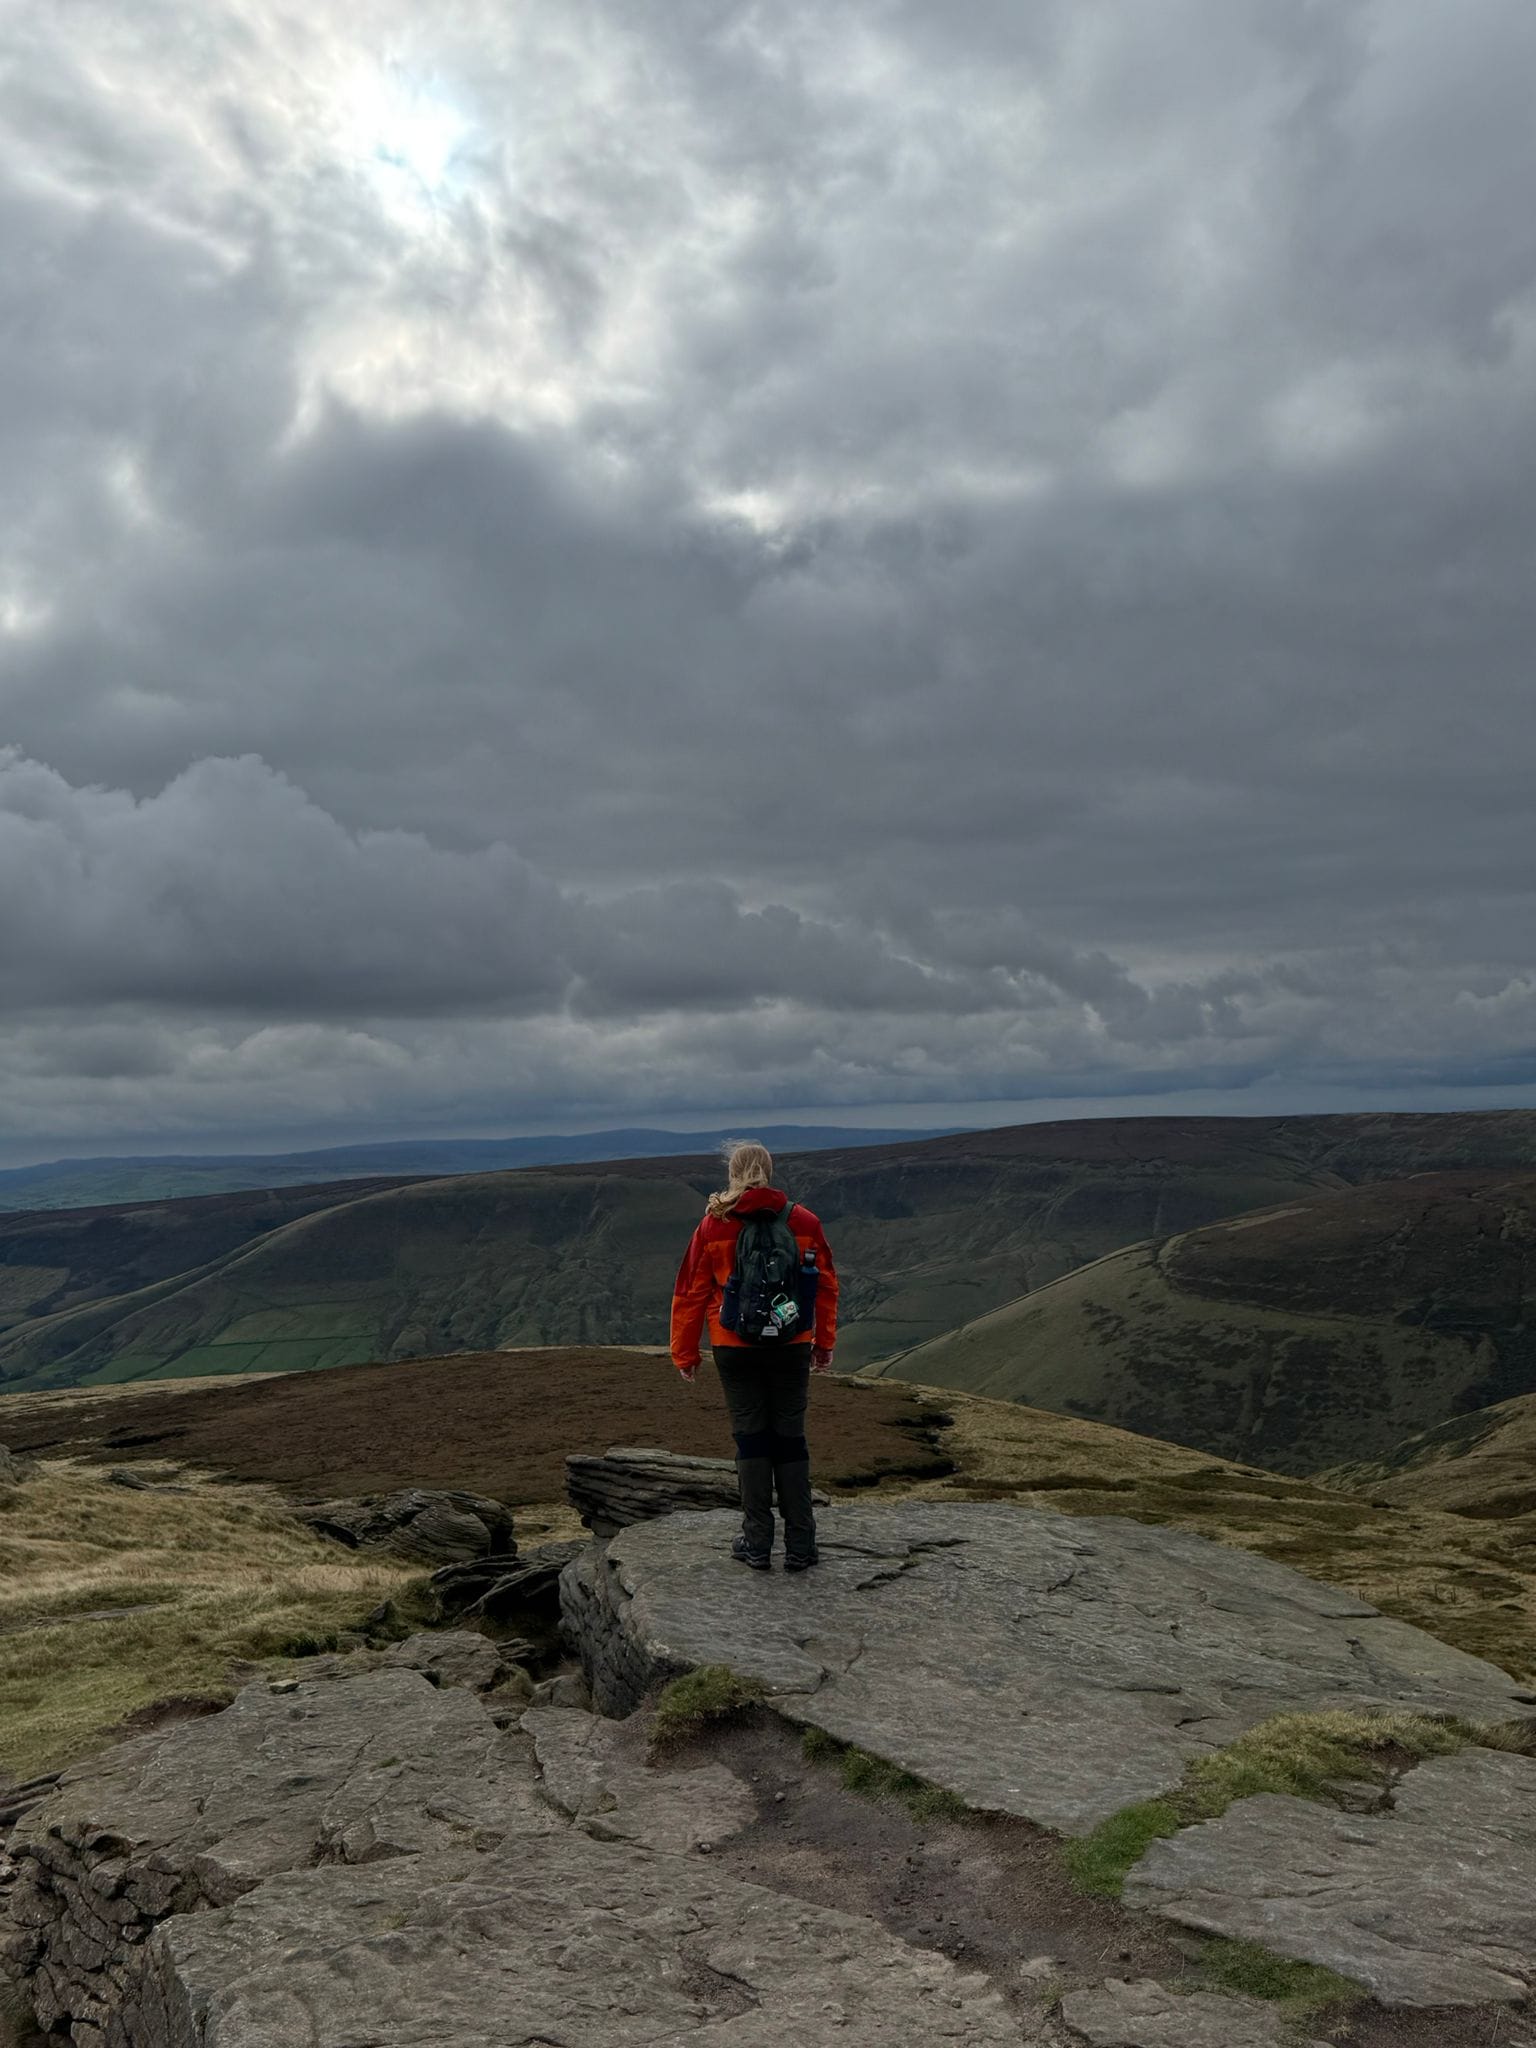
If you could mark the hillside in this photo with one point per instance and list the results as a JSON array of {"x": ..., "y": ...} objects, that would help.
[
  {"x": 83, "y": 1183},
  {"x": 57, "y": 1259},
  {"x": 929, "y": 1234},
  {"x": 1482, "y": 1465},
  {"x": 1307, "y": 1334}
]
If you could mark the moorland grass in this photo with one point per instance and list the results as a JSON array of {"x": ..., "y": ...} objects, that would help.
[
  {"x": 701, "y": 1699},
  {"x": 1246, "y": 1969},
  {"x": 1298, "y": 1756},
  {"x": 873, "y": 1778},
  {"x": 179, "y": 1586}
]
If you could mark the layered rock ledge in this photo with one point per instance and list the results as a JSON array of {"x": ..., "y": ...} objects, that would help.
[
  {"x": 1052, "y": 1667},
  {"x": 370, "y": 1859},
  {"x": 1429, "y": 1903}
]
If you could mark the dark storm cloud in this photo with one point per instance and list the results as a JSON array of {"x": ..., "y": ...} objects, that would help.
[{"x": 620, "y": 558}]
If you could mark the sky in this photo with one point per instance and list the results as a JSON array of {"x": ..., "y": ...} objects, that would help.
[{"x": 593, "y": 561}]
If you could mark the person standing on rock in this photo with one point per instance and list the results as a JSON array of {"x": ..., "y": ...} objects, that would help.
[{"x": 758, "y": 1272}]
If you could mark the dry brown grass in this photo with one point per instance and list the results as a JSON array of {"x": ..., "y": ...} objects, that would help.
[{"x": 111, "y": 1600}]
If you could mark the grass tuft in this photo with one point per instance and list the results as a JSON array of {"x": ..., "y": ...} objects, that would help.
[
  {"x": 873, "y": 1778},
  {"x": 1246, "y": 1969},
  {"x": 1299, "y": 1756},
  {"x": 1097, "y": 1864},
  {"x": 701, "y": 1699}
]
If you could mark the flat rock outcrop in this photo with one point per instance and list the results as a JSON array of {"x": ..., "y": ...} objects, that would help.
[
  {"x": 1053, "y": 1667},
  {"x": 367, "y": 1859},
  {"x": 596, "y": 1771},
  {"x": 626, "y": 1485},
  {"x": 341, "y": 1772},
  {"x": 1430, "y": 1903},
  {"x": 437, "y": 1527},
  {"x": 588, "y": 1944},
  {"x": 1148, "y": 2015}
]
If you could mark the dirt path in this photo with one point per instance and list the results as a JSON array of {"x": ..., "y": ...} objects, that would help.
[{"x": 992, "y": 1895}]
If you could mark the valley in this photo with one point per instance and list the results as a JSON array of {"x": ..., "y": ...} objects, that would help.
[{"x": 929, "y": 1234}]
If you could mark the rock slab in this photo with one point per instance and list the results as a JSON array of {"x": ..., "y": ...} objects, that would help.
[
  {"x": 1053, "y": 1667},
  {"x": 1431, "y": 1903},
  {"x": 588, "y": 1944},
  {"x": 340, "y": 1772},
  {"x": 1147, "y": 2015},
  {"x": 596, "y": 1771},
  {"x": 503, "y": 1588}
]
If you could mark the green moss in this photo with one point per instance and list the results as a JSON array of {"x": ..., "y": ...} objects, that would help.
[
  {"x": 700, "y": 1699},
  {"x": 1299, "y": 1755},
  {"x": 873, "y": 1778},
  {"x": 1245, "y": 1969},
  {"x": 1098, "y": 1863},
  {"x": 1296, "y": 1755}
]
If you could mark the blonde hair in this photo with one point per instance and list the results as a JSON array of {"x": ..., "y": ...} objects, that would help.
[{"x": 748, "y": 1165}]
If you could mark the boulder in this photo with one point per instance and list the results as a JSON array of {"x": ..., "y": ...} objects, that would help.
[
  {"x": 451, "y": 1657},
  {"x": 13, "y": 1468},
  {"x": 506, "y": 1587},
  {"x": 135, "y": 1482},
  {"x": 627, "y": 1485},
  {"x": 433, "y": 1526},
  {"x": 1049, "y": 1666},
  {"x": 1430, "y": 1903}
]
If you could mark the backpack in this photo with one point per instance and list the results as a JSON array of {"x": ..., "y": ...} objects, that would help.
[{"x": 764, "y": 1297}]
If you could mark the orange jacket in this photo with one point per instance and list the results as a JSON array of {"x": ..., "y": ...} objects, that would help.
[{"x": 708, "y": 1263}]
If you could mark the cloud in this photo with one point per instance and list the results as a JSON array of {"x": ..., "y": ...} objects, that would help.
[{"x": 623, "y": 556}]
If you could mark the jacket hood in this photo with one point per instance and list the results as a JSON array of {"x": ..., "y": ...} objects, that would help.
[{"x": 752, "y": 1201}]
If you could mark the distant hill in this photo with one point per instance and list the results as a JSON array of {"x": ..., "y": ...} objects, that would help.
[
  {"x": 1307, "y": 1334},
  {"x": 1482, "y": 1465},
  {"x": 90, "y": 1183},
  {"x": 56, "y": 1259},
  {"x": 928, "y": 1234}
]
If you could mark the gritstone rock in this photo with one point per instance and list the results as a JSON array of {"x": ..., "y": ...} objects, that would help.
[
  {"x": 1054, "y": 1667},
  {"x": 625, "y": 1486},
  {"x": 381, "y": 1766},
  {"x": 368, "y": 1860},
  {"x": 591, "y": 1944},
  {"x": 505, "y": 1587},
  {"x": 436, "y": 1527},
  {"x": 1432, "y": 1903},
  {"x": 14, "y": 1469},
  {"x": 1144, "y": 2015},
  {"x": 450, "y": 1657},
  {"x": 597, "y": 1772}
]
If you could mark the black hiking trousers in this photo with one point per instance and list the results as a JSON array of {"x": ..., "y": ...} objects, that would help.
[{"x": 767, "y": 1388}]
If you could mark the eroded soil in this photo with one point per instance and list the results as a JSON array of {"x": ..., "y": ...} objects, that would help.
[{"x": 992, "y": 1895}]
